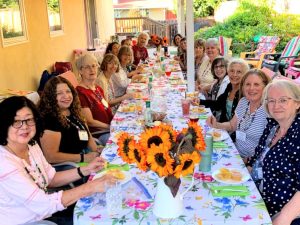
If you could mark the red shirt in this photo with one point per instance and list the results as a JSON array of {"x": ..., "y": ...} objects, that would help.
[
  {"x": 139, "y": 53},
  {"x": 93, "y": 100}
]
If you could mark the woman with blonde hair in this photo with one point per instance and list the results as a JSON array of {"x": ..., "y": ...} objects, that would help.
[
  {"x": 140, "y": 51},
  {"x": 109, "y": 67},
  {"x": 250, "y": 117}
]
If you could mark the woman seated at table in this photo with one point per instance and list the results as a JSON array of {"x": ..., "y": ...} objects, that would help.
[
  {"x": 95, "y": 108},
  {"x": 66, "y": 136},
  {"x": 113, "y": 48},
  {"x": 204, "y": 75},
  {"x": 227, "y": 102},
  {"x": 275, "y": 167},
  {"x": 140, "y": 51},
  {"x": 176, "y": 42},
  {"x": 250, "y": 117},
  {"x": 183, "y": 55},
  {"x": 26, "y": 174},
  {"x": 109, "y": 67},
  {"x": 125, "y": 57},
  {"x": 199, "y": 48}
]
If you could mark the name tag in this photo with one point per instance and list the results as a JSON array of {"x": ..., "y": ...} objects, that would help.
[
  {"x": 104, "y": 102},
  {"x": 83, "y": 135},
  {"x": 240, "y": 135}
]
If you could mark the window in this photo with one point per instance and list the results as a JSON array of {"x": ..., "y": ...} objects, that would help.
[
  {"x": 55, "y": 17},
  {"x": 12, "y": 22}
]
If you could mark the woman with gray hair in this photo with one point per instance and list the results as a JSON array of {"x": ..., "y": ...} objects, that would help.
[
  {"x": 204, "y": 75},
  {"x": 227, "y": 102},
  {"x": 275, "y": 167},
  {"x": 140, "y": 51},
  {"x": 95, "y": 107}
]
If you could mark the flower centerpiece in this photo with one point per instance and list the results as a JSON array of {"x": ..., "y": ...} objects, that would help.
[
  {"x": 159, "y": 41},
  {"x": 168, "y": 153}
]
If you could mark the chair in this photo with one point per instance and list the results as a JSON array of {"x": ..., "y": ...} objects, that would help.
[
  {"x": 266, "y": 44},
  {"x": 293, "y": 70},
  {"x": 225, "y": 45},
  {"x": 280, "y": 61},
  {"x": 70, "y": 76}
]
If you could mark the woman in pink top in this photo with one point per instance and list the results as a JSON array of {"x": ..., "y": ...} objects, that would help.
[{"x": 25, "y": 175}]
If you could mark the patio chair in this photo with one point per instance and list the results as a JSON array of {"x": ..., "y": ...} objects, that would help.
[
  {"x": 280, "y": 61},
  {"x": 225, "y": 46},
  {"x": 266, "y": 44},
  {"x": 293, "y": 70}
]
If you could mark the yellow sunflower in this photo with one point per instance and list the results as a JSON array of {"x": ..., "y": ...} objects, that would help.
[
  {"x": 187, "y": 163},
  {"x": 159, "y": 160},
  {"x": 170, "y": 130},
  {"x": 154, "y": 136},
  {"x": 138, "y": 155},
  {"x": 124, "y": 143},
  {"x": 197, "y": 138}
]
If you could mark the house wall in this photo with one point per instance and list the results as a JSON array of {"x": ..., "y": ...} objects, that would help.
[
  {"x": 157, "y": 14},
  {"x": 21, "y": 65}
]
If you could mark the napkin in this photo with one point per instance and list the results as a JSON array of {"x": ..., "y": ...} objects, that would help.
[
  {"x": 220, "y": 145},
  {"x": 111, "y": 166},
  {"x": 142, "y": 187},
  {"x": 229, "y": 191},
  {"x": 203, "y": 117}
]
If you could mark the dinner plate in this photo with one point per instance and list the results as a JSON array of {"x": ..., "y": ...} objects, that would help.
[
  {"x": 224, "y": 135},
  {"x": 123, "y": 181},
  {"x": 245, "y": 176}
]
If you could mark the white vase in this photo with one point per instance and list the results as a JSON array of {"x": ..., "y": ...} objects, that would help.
[{"x": 165, "y": 205}]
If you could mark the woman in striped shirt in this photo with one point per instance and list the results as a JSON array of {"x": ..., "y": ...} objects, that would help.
[{"x": 249, "y": 119}]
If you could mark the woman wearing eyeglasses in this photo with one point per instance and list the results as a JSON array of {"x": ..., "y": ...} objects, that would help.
[
  {"x": 249, "y": 119},
  {"x": 66, "y": 137},
  {"x": 26, "y": 175},
  {"x": 275, "y": 167},
  {"x": 94, "y": 106}
]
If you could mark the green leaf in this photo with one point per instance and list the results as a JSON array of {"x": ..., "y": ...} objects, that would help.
[{"x": 136, "y": 215}]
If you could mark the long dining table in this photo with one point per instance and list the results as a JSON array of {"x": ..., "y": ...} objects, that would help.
[{"x": 201, "y": 205}]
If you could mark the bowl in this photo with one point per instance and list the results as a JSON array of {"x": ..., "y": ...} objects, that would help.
[{"x": 158, "y": 116}]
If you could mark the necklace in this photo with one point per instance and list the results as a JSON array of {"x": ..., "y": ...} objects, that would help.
[{"x": 35, "y": 174}]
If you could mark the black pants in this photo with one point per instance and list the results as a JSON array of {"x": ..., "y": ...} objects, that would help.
[
  {"x": 296, "y": 222},
  {"x": 64, "y": 217}
]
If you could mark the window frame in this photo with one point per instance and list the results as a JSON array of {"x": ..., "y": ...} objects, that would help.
[
  {"x": 6, "y": 42},
  {"x": 60, "y": 32}
]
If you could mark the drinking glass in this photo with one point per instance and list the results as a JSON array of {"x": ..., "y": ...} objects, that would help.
[
  {"x": 113, "y": 198},
  {"x": 185, "y": 104}
]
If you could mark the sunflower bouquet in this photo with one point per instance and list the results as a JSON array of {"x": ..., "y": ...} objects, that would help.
[
  {"x": 170, "y": 154},
  {"x": 159, "y": 41}
]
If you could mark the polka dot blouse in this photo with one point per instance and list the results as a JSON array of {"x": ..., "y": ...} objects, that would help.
[{"x": 281, "y": 166}]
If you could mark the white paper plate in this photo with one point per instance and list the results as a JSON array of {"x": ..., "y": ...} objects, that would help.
[
  {"x": 126, "y": 173},
  {"x": 245, "y": 176},
  {"x": 224, "y": 135}
]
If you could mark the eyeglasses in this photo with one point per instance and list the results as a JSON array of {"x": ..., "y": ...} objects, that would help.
[
  {"x": 89, "y": 67},
  {"x": 219, "y": 67},
  {"x": 19, "y": 123},
  {"x": 280, "y": 102}
]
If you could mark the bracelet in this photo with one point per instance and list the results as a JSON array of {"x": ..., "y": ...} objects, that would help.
[
  {"x": 80, "y": 173},
  {"x": 81, "y": 157}
]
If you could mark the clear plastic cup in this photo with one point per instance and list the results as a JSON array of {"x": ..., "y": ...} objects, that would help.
[
  {"x": 114, "y": 199},
  {"x": 185, "y": 105}
]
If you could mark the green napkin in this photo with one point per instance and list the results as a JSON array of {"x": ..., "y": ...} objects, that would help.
[
  {"x": 203, "y": 117},
  {"x": 229, "y": 191},
  {"x": 82, "y": 164},
  {"x": 219, "y": 144},
  {"x": 110, "y": 166}
]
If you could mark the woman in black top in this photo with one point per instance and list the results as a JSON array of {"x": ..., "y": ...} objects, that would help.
[
  {"x": 227, "y": 102},
  {"x": 66, "y": 136}
]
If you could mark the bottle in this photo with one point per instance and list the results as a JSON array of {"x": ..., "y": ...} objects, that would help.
[
  {"x": 150, "y": 85},
  {"x": 205, "y": 163},
  {"x": 148, "y": 116}
]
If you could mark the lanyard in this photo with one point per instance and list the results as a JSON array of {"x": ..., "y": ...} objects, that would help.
[
  {"x": 99, "y": 97},
  {"x": 269, "y": 140},
  {"x": 246, "y": 118},
  {"x": 77, "y": 124}
]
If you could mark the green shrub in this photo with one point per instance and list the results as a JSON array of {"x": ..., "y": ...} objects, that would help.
[{"x": 249, "y": 22}]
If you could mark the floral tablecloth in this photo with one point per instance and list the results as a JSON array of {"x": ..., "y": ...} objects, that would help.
[{"x": 200, "y": 207}]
